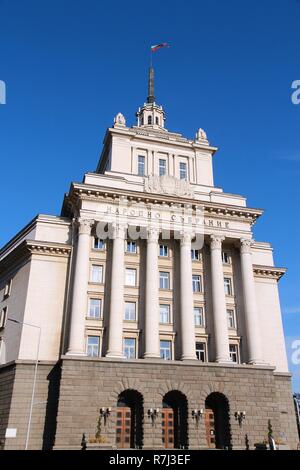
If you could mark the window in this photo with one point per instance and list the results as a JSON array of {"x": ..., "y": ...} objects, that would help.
[
  {"x": 164, "y": 311},
  {"x": 130, "y": 246},
  {"x": 182, "y": 171},
  {"x": 130, "y": 277},
  {"x": 227, "y": 286},
  {"x": 141, "y": 165},
  {"x": 93, "y": 346},
  {"x": 149, "y": 120},
  {"x": 198, "y": 316},
  {"x": 95, "y": 308},
  {"x": 97, "y": 274},
  {"x": 163, "y": 250},
  {"x": 233, "y": 353},
  {"x": 3, "y": 317},
  {"x": 231, "y": 318},
  {"x": 156, "y": 120},
  {"x": 7, "y": 289},
  {"x": 162, "y": 167},
  {"x": 195, "y": 255},
  {"x": 225, "y": 257},
  {"x": 164, "y": 280},
  {"x": 98, "y": 244},
  {"x": 197, "y": 287},
  {"x": 165, "y": 350},
  {"x": 130, "y": 311},
  {"x": 201, "y": 352},
  {"x": 129, "y": 348}
]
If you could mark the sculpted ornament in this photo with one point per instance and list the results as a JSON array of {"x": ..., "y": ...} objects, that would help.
[
  {"x": 119, "y": 120},
  {"x": 168, "y": 185},
  {"x": 85, "y": 226},
  {"x": 201, "y": 135},
  {"x": 216, "y": 242},
  {"x": 246, "y": 245}
]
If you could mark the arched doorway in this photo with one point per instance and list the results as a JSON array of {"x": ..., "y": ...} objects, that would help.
[
  {"x": 217, "y": 425},
  {"x": 129, "y": 422},
  {"x": 174, "y": 420}
]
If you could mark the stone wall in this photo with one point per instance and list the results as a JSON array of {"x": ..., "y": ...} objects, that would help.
[
  {"x": 16, "y": 382},
  {"x": 87, "y": 385}
]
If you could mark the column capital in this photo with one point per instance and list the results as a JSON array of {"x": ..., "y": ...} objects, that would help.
[
  {"x": 84, "y": 226},
  {"x": 216, "y": 242},
  {"x": 246, "y": 245},
  {"x": 152, "y": 234},
  {"x": 118, "y": 230},
  {"x": 186, "y": 238}
]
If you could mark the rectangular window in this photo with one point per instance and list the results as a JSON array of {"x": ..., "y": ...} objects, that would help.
[
  {"x": 163, "y": 250},
  {"x": 7, "y": 289},
  {"x": 164, "y": 311},
  {"x": 162, "y": 167},
  {"x": 97, "y": 273},
  {"x": 195, "y": 255},
  {"x": 231, "y": 318},
  {"x": 197, "y": 284},
  {"x": 225, "y": 257},
  {"x": 129, "y": 348},
  {"x": 165, "y": 350},
  {"x": 233, "y": 353},
  {"x": 130, "y": 277},
  {"x": 164, "y": 280},
  {"x": 141, "y": 165},
  {"x": 227, "y": 286},
  {"x": 93, "y": 346},
  {"x": 130, "y": 246},
  {"x": 98, "y": 244},
  {"x": 201, "y": 352},
  {"x": 198, "y": 316},
  {"x": 94, "y": 308},
  {"x": 3, "y": 317},
  {"x": 130, "y": 311},
  {"x": 182, "y": 171}
]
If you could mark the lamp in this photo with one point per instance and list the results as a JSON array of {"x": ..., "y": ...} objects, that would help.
[
  {"x": 197, "y": 414},
  {"x": 240, "y": 416},
  {"x": 153, "y": 413},
  {"x": 104, "y": 413}
]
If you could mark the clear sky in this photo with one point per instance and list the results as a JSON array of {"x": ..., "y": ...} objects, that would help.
[{"x": 71, "y": 65}]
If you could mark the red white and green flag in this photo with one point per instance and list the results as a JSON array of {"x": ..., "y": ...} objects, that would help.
[{"x": 159, "y": 46}]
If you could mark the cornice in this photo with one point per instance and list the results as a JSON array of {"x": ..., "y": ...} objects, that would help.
[
  {"x": 268, "y": 272},
  {"x": 84, "y": 192},
  {"x": 27, "y": 248}
]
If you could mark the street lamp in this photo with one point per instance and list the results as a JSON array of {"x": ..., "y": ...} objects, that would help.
[{"x": 34, "y": 377}]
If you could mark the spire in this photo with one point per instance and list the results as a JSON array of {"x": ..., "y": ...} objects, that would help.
[{"x": 151, "y": 97}]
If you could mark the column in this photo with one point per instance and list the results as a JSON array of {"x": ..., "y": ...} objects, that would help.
[
  {"x": 250, "y": 306},
  {"x": 116, "y": 312},
  {"x": 219, "y": 300},
  {"x": 152, "y": 349},
  {"x": 186, "y": 300},
  {"x": 79, "y": 299}
]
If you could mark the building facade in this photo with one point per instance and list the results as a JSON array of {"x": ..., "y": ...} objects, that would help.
[{"x": 145, "y": 315}]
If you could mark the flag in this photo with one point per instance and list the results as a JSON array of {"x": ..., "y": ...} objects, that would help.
[{"x": 159, "y": 46}]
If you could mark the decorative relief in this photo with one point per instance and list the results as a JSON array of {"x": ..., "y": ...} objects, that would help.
[
  {"x": 201, "y": 136},
  {"x": 85, "y": 226},
  {"x": 168, "y": 185},
  {"x": 119, "y": 120},
  {"x": 46, "y": 249},
  {"x": 152, "y": 234},
  {"x": 216, "y": 242},
  {"x": 246, "y": 245},
  {"x": 186, "y": 238}
]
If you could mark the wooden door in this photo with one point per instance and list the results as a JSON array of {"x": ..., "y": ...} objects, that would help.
[
  {"x": 167, "y": 425},
  {"x": 210, "y": 428},
  {"x": 123, "y": 427}
]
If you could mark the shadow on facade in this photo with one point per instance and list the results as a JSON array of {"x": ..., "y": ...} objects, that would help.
[{"x": 52, "y": 407}]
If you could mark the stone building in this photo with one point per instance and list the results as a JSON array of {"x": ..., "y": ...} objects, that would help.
[{"x": 152, "y": 315}]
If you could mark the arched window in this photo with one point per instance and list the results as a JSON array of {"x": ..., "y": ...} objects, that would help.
[
  {"x": 156, "y": 120},
  {"x": 149, "y": 120}
]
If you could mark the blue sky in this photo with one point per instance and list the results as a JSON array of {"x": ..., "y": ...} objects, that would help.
[{"x": 70, "y": 66}]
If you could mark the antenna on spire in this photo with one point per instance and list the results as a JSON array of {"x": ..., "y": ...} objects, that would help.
[{"x": 151, "y": 97}]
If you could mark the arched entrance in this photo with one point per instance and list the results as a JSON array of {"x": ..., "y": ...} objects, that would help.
[
  {"x": 129, "y": 422},
  {"x": 174, "y": 420},
  {"x": 217, "y": 425}
]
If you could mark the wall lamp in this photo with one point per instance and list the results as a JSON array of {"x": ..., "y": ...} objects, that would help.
[
  {"x": 104, "y": 413},
  {"x": 153, "y": 413},
  {"x": 240, "y": 416},
  {"x": 197, "y": 414}
]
